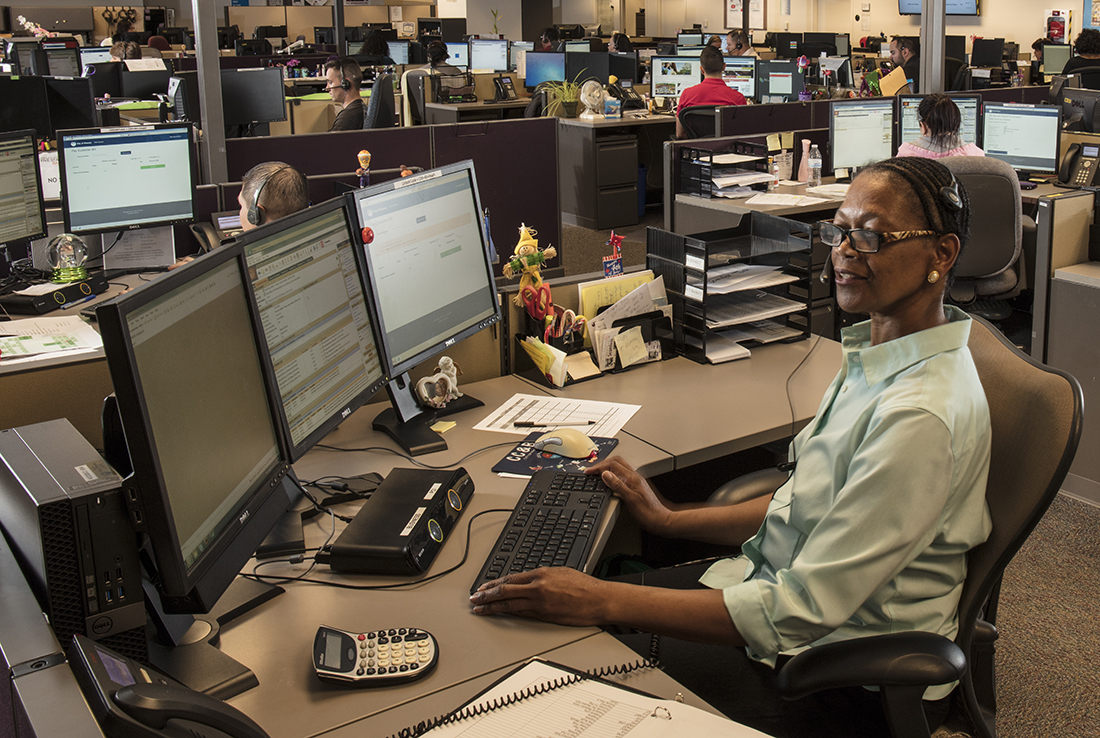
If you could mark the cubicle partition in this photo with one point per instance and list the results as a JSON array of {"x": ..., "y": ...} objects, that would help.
[
  {"x": 331, "y": 153},
  {"x": 309, "y": 61},
  {"x": 744, "y": 120}
]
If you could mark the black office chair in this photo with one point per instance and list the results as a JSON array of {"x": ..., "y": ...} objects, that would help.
[
  {"x": 1036, "y": 417},
  {"x": 537, "y": 107},
  {"x": 1090, "y": 77},
  {"x": 380, "y": 110},
  {"x": 418, "y": 86},
  {"x": 951, "y": 69},
  {"x": 699, "y": 121}
]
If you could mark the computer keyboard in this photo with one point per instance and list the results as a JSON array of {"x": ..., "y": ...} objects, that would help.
[{"x": 553, "y": 524}]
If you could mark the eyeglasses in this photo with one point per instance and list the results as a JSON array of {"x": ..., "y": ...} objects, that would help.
[{"x": 864, "y": 240}]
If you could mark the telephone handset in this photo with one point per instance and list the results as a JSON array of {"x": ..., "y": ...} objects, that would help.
[
  {"x": 134, "y": 700},
  {"x": 506, "y": 89},
  {"x": 626, "y": 92},
  {"x": 1080, "y": 165}
]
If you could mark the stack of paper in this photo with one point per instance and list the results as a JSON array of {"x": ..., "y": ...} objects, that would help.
[
  {"x": 734, "y": 277},
  {"x": 30, "y": 339},
  {"x": 607, "y": 343},
  {"x": 831, "y": 191},
  {"x": 747, "y": 306}
]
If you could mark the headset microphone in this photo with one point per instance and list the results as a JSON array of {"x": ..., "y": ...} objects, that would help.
[{"x": 827, "y": 272}]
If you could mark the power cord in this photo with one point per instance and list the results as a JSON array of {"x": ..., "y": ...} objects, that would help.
[{"x": 412, "y": 460}]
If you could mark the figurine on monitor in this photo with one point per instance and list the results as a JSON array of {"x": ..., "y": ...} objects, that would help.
[{"x": 527, "y": 262}]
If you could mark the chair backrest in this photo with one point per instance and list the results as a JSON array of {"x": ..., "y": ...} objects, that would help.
[
  {"x": 951, "y": 69},
  {"x": 1036, "y": 416},
  {"x": 537, "y": 106},
  {"x": 413, "y": 85},
  {"x": 1090, "y": 77},
  {"x": 996, "y": 220},
  {"x": 699, "y": 121},
  {"x": 380, "y": 109},
  {"x": 160, "y": 43}
]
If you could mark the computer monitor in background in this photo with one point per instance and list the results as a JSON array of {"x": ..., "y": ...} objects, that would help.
[
  {"x": 1080, "y": 109},
  {"x": 544, "y": 66},
  {"x": 121, "y": 178},
  {"x": 740, "y": 75},
  {"x": 970, "y": 107},
  {"x": 815, "y": 44},
  {"x": 146, "y": 84},
  {"x": 787, "y": 45},
  {"x": 861, "y": 132},
  {"x": 489, "y": 54},
  {"x": 671, "y": 75},
  {"x": 623, "y": 65},
  {"x": 581, "y": 66},
  {"x": 63, "y": 62},
  {"x": 207, "y": 479},
  {"x": 94, "y": 54},
  {"x": 20, "y": 188},
  {"x": 1024, "y": 136},
  {"x": 33, "y": 109},
  {"x": 399, "y": 51},
  {"x": 430, "y": 280},
  {"x": 275, "y": 32},
  {"x": 252, "y": 47},
  {"x": 954, "y": 47},
  {"x": 324, "y": 35},
  {"x": 987, "y": 52},
  {"x": 1055, "y": 57},
  {"x": 253, "y": 95},
  {"x": 839, "y": 68},
  {"x": 578, "y": 46},
  {"x": 690, "y": 51},
  {"x": 778, "y": 80},
  {"x": 71, "y": 101},
  {"x": 227, "y": 37},
  {"x": 689, "y": 39},
  {"x": 843, "y": 44},
  {"x": 514, "y": 51},
  {"x": 314, "y": 321},
  {"x": 176, "y": 36},
  {"x": 106, "y": 78},
  {"x": 459, "y": 55}
]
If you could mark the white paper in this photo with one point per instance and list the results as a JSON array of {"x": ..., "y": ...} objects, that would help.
[
  {"x": 741, "y": 179},
  {"x": 71, "y": 324},
  {"x": 744, "y": 307},
  {"x": 149, "y": 64},
  {"x": 721, "y": 349},
  {"x": 643, "y": 299},
  {"x": 609, "y": 417},
  {"x": 833, "y": 191},
  {"x": 144, "y": 248},
  {"x": 23, "y": 340},
  {"x": 733, "y": 158}
]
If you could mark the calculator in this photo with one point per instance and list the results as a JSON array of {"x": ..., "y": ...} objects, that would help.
[{"x": 373, "y": 658}]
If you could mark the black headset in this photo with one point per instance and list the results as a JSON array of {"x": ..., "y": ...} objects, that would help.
[
  {"x": 255, "y": 213},
  {"x": 949, "y": 195},
  {"x": 345, "y": 85}
]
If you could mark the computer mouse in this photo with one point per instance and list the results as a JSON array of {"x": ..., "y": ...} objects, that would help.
[{"x": 566, "y": 442}]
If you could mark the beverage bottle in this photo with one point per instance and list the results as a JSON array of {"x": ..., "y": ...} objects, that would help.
[
  {"x": 773, "y": 169},
  {"x": 814, "y": 180}
]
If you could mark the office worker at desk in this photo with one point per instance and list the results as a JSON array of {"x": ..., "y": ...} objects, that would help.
[
  {"x": 939, "y": 131},
  {"x": 870, "y": 533},
  {"x": 549, "y": 40},
  {"x": 620, "y": 42},
  {"x": 1087, "y": 48},
  {"x": 125, "y": 50},
  {"x": 712, "y": 90},
  {"x": 738, "y": 44},
  {"x": 905, "y": 53},
  {"x": 344, "y": 79},
  {"x": 437, "y": 60}
]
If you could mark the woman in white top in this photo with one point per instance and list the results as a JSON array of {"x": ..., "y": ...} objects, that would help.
[{"x": 939, "y": 119}]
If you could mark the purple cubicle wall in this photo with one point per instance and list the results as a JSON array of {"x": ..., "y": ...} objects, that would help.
[{"x": 747, "y": 120}]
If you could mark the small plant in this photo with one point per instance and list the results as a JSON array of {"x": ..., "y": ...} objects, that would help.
[
  {"x": 496, "y": 19},
  {"x": 563, "y": 96}
]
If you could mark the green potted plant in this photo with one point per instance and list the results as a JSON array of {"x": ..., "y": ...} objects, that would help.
[
  {"x": 496, "y": 19},
  {"x": 563, "y": 97}
]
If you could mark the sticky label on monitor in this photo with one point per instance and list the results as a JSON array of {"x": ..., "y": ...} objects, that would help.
[
  {"x": 432, "y": 490},
  {"x": 413, "y": 521}
]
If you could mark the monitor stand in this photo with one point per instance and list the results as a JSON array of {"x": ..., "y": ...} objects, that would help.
[{"x": 409, "y": 424}]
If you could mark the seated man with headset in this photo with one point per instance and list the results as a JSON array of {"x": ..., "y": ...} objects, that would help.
[{"x": 344, "y": 78}]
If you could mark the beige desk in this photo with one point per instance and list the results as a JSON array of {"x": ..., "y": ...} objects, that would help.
[{"x": 695, "y": 214}]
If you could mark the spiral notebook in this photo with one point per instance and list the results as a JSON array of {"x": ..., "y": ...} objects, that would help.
[{"x": 541, "y": 698}]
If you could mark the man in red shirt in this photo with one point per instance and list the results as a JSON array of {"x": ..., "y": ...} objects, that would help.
[{"x": 712, "y": 90}]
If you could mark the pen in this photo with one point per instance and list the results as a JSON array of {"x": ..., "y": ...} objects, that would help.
[
  {"x": 78, "y": 301},
  {"x": 529, "y": 424}
]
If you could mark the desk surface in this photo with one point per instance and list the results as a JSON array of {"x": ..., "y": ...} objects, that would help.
[{"x": 624, "y": 121}]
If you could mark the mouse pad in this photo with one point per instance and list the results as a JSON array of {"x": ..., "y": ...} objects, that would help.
[{"x": 524, "y": 460}]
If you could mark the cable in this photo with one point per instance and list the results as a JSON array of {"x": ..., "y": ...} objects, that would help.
[
  {"x": 789, "y": 465},
  {"x": 412, "y": 460}
]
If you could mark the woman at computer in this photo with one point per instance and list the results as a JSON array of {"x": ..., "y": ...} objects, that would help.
[
  {"x": 871, "y": 531},
  {"x": 939, "y": 120},
  {"x": 437, "y": 60},
  {"x": 376, "y": 46},
  {"x": 620, "y": 42},
  {"x": 1087, "y": 48}
]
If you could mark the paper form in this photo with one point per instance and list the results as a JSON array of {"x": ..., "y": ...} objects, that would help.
[
  {"x": 24, "y": 341},
  {"x": 596, "y": 294},
  {"x": 609, "y": 417}
]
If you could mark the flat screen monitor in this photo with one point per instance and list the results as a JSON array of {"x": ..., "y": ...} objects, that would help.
[
  {"x": 459, "y": 55},
  {"x": 33, "y": 110},
  {"x": 843, "y": 44},
  {"x": 544, "y": 66},
  {"x": 671, "y": 75},
  {"x": 1079, "y": 109},
  {"x": 814, "y": 44},
  {"x": 146, "y": 84},
  {"x": 208, "y": 479},
  {"x": 253, "y": 95},
  {"x": 1024, "y": 136},
  {"x": 270, "y": 32},
  {"x": 690, "y": 51},
  {"x": 72, "y": 103},
  {"x": 117, "y": 179},
  {"x": 581, "y": 66},
  {"x": 778, "y": 80},
  {"x": 174, "y": 35},
  {"x": 64, "y": 62},
  {"x": 514, "y": 52},
  {"x": 623, "y": 65},
  {"x": 252, "y": 47},
  {"x": 314, "y": 321},
  {"x": 1056, "y": 57},
  {"x": 399, "y": 51},
  {"x": 987, "y": 52},
  {"x": 577, "y": 46},
  {"x": 227, "y": 37},
  {"x": 954, "y": 7},
  {"x": 22, "y": 217},
  {"x": 430, "y": 278},
  {"x": 106, "y": 78},
  {"x": 740, "y": 75},
  {"x": 970, "y": 107},
  {"x": 954, "y": 47},
  {"x": 861, "y": 131},
  {"x": 490, "y": 54},
  {"x": 324, "y": 35},
  {"x": 787, "y": 45},
  {"x": 839, "y": 68},
  {"x": 94, "y": 54},
  {"x": 689, "y": 39}
]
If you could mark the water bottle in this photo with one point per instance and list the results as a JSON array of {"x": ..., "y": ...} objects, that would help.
[
  {"x": 814, "y": 179},
  {"x": 773, "y": 169}
]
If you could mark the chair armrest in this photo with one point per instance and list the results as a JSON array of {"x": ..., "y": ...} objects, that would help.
[
  {"x": 748, "y": 486},
  {"x": 985, "y": 632},
  {"x": 907, "y": 659}
]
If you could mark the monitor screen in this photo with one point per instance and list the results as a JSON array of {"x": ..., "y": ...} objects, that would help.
[
  {"x": 954, "y": 47},
  {"x": 253, "y": 95},
  {"x": 577, "y": 46},
  {"x": 21, "y": 214},
  {"x": 514, "y": 52},
  {"x": 144, "y": 85},
  {"x": 314, "y": 320},
  {"x": 581, "y": 66},
  {"x": 489, "y": 54},
  {"x": 672, "y": 75},
  {"x": 740, "y": 75},
  {"x": 64, "y": 62},
  {"x": 778, "y": 80},
  {"x": 954, "y": 7},
  {"x": 459, "y": 55},
  {"x": 1079, "y": 109},
  {"x": 787, "y": 45},
  {"x": 93, "y": 54},
  {"x": 188, "y": 376},
  {"x": 1055, "y": 57},
  {"x": 692, "y": 51},
  {"x": 969, "y": 113},
  {"x": 623, "y": 65},
  {"x": 689, "y": 39},
  {"x": 861, "y": 131},
  {"x": 544, "y": 66},
  {"x": 106, "y": 78},
  {"x": 324, "y": 35},
  {"x": 987, "y": 52},
  {"x": 72, "y": 103},
  {"x": 115, "y": 179},
  {"x": 399, "y": 51},
  {"x": 33, "y": 110},
  {"x": 1025, "y": 136},
  {"x": 276, "y": 32}
]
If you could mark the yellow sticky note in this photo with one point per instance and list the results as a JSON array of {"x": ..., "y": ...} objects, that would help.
[
  {"x": 787, "y": 140},
  {"x": 631, "y": 347},
  {"x": 773, "y": 142},
  {"x": 442, "y": 426}
]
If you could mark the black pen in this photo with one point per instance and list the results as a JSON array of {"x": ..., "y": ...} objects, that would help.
[{"x": 530, "y": 424}]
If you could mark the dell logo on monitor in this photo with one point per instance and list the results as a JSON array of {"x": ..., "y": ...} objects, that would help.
[
  {"x": 244, "y": 517},
  {"x": 345, "y": 412}
]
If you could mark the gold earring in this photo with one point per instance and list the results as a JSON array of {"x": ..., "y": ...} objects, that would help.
[{"x": 933, "y": 276}]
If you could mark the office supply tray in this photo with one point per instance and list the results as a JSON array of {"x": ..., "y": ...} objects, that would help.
[
  {"x": 697, "y": 165},
  {"x": 690, "y": 265}
]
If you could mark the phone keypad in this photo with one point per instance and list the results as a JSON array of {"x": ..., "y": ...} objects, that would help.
[{"x": 1084, "y": 173}]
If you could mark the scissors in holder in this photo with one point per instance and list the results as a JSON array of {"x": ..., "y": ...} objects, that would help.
[{"x": 537, "y": 301}]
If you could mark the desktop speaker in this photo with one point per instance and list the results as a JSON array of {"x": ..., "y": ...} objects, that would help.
[
  {"x": 401, "y": 528},
  {"x": 63, "y": 514}
]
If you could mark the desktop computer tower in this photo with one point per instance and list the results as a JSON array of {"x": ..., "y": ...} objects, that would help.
[{"x": 63, "y": 514}]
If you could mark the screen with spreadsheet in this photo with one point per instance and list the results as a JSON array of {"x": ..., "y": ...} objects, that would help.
[
  {"x": 969, "y": 113},
  {"x": 1024, "y": 136},
  {"x": 861, "y": 131},
  {"x": 21, "y": 214}
]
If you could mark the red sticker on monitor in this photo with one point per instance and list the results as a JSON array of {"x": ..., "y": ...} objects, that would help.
[{"x": 368, "y": 235}]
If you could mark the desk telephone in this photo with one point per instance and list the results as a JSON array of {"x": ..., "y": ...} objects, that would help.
[
  {"x": 506, "y": 89},
  {"x": 1079, "y": 167},
  {"x": 624, "y": 90}
]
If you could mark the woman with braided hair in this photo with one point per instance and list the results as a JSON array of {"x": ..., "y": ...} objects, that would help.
[{"x": 870, "y": 533}]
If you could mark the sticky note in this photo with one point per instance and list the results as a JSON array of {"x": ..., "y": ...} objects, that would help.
[
  {"x": 631, "y": 347},
  {"x": 773, "y": 142},
  {"x": 442, "y": 426},
  {"x": 787, "y": 140}
]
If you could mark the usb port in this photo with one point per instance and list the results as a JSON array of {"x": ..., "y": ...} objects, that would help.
[
  {"x": 106, "y": 577},
  {"x": 121, "y": 593},
  {"x": 110, "y": 597},
  {"x": 118, "y": 573}
]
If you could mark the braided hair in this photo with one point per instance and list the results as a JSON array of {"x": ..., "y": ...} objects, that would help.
[{"x": 927, "y": 179}]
